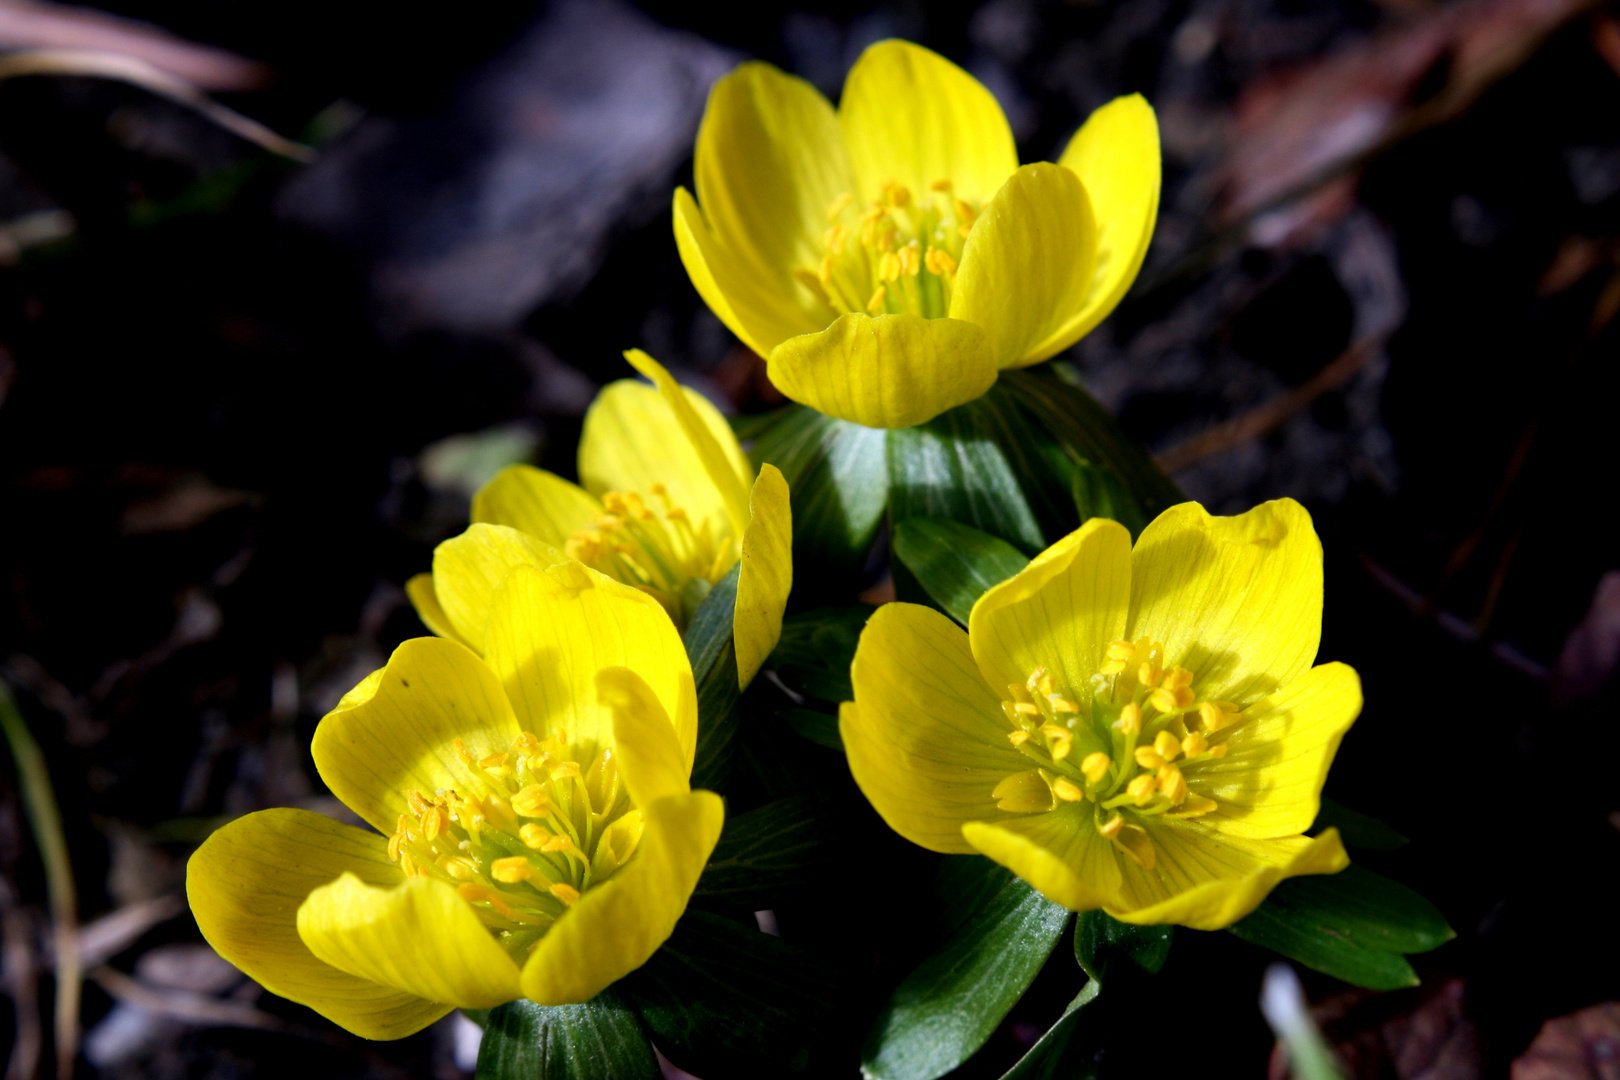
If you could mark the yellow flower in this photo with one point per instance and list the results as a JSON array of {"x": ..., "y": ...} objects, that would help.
[
  {"x": 890, "y": 258},
  {"x": 1134, "y": 730},
  {"x": 665, "y": 508},
  {"x": 537, "y": 835}
]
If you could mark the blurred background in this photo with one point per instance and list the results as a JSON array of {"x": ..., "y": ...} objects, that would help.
[{"x": 251, "y": 370}]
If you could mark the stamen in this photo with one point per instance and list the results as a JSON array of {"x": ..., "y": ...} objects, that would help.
[
  {"x": 1148, "y": 757},
  {"x": 1167, "y": 745},
  {"x": 875, "y": 305},
  {"x": 839, "y": 205},
  {"x": 1067, "y": 790},
  {"x": 1194, "y": 745},
  {"x": 1096, "y": 766},
  {"x": 1140, "y": 789},
  {"x": 566, "y": 893},
  {"x": 1172, "y": 784},
  {"x": 1024, "y": 793},
  {"x": 511, "y": 871},
  {"x": 1130, "y": 720}
]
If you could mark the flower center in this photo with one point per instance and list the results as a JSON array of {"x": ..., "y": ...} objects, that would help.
[
  {"x": 1122, "y": 750},
  {"x": 661, "y": 553},
  {"x": 899, "y": 256},
  {"x": 542, "y": 830}
]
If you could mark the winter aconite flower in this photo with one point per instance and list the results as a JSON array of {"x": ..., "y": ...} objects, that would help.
[
  {"x": 1134, "y": 730},
  {"x": 536, "y": 832},
  {"x": 666, "y": 508},
  {"x": 889, "y": 258}
]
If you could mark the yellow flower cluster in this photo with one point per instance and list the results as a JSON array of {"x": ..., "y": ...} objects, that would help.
[
  {"x": 526, "y": 771},
  {"x": 1139, "y": 730}
]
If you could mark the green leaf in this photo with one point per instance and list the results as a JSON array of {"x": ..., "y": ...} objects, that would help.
[
  {"x": 599, "y": 1040},
  {"x": 838, "y": 479},
  {"x": 953, "y": 1001},
  {"x": 955, "y": 563},
  {"x": 816, "y": 649},
  {"x": 1049, "y": 1058},
  {"x": 956, "y": 467},
  {"x": 1102, "y": 942},
  {"x": 1354, "y": 925},
  {"x": 714, "y": 667},
  {"x": 764, "y": 856},
  {"x": 724, "y": 1000},
  {"x": 1357, "y": 829},
  {"x": 819, "y": 727},
  {"x": 1053, "y": 396}
]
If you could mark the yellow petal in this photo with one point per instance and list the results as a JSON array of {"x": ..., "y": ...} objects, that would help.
[
  {"x": 767, "y": 573},
  {"x": 926, "y": 739},
  {"x": 617, "y": 925},
  {"x": 1270, "y": 781},
  {"x": 374, "y": 749},
  {"x": 699, "y": 254},
  {"x": 769, "y": 162},
  {"x": 698, "y": 425},
  {"x": 1061, "y": 612},
  {"x": 245, "y": 884},
  {"x": 536, "y": 502},
  {"x": 1235, "y": 600},
  {"x": 910, "y": 115},
  {"x": 426, "y": 601},
  {"x": 891, "y": 371},
  {"x": 651, "y": 762},
  {"x": 1059, "y": 853},
  {"x": 1116, "y": 155},
  {"x": 1208, "y": 880},
  {"x": 419, "y": 936},
  {"x": 1026, "y": 269},
  {"x": 555, "y": 629},
  {"x": 468, "y": 570}
]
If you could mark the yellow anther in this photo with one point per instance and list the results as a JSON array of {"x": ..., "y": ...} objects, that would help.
[
  {"x": 462, "y": 752},
  {"x": 566, "y": 893},
  {"x": 826, "y": 270},
  {"x": 493, "y": 761},
  {"x": 1067, "y": 790},
  {"x": 533, "y": 836},
  {"x": 511, "y": 871},
  {"x": 558, "y": 844},
  {"x": 1176, "y": 678},
  {"x": 1059, "y": 739},
  {"x": 1133, "y": 840},
  {"x": 1111, "y": 827},
  {"x": 1096, "y": 766},
  {"x": 1148, "y": 758},
  {"x": 498, "y": 813},
  {"x": 1171, "y": 700},
  {"x": 1018, "y": 738},
  {"x": 1193, "y": 806},
  {"x": 964, "y": 213},
  {"x": 1121, "y": 650},
  {"x": 1026, "y": 708},
  {"x": 1194, "y": 745},
  {"x": 435, "y": 823},
  {"x": 1141, "y": 788},
  {"x": 835, "y": 238},
  {"x": 1024, "y": 793},
  {"x": 941, "y": 185},
  {"x": 483, "y": 894},
  {"x": 1148, "y": 673},
  {"x": 393, "y": 847},
  {"x": 1217, "y": 714},
  {"x": 532, "y": 801},
  {"x": 813, "y": 283},
  {"x": 1061, "y": 704},
  {"x": 1218, "y": 751},
  {"x": 909, "y": 260},
  {"x": 419, "y": 803},
  {"x": 889, "y": 266},
  {"x": 407, "y": 865},
  {"x": 565, "y": 770},
  {"x": 459, "y": 869},
  {"x": 1130, "y": 719},
  {"x": 939, "y": 262},
  {"x": 1039, "y": 681},
  {"x": 527, "y": 743},
  {"x": 838, "y": 205},
  {"x": 900, "y": 195},
  {"x": 1167, "y": 745},
  {"x": 1173, "y": 784},
  {"x": 875, "y": 305},
  {"x": 1016, "y": 692}
]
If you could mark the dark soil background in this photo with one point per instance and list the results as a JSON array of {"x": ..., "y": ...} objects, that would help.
[{"x": 235, "y": 392}]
